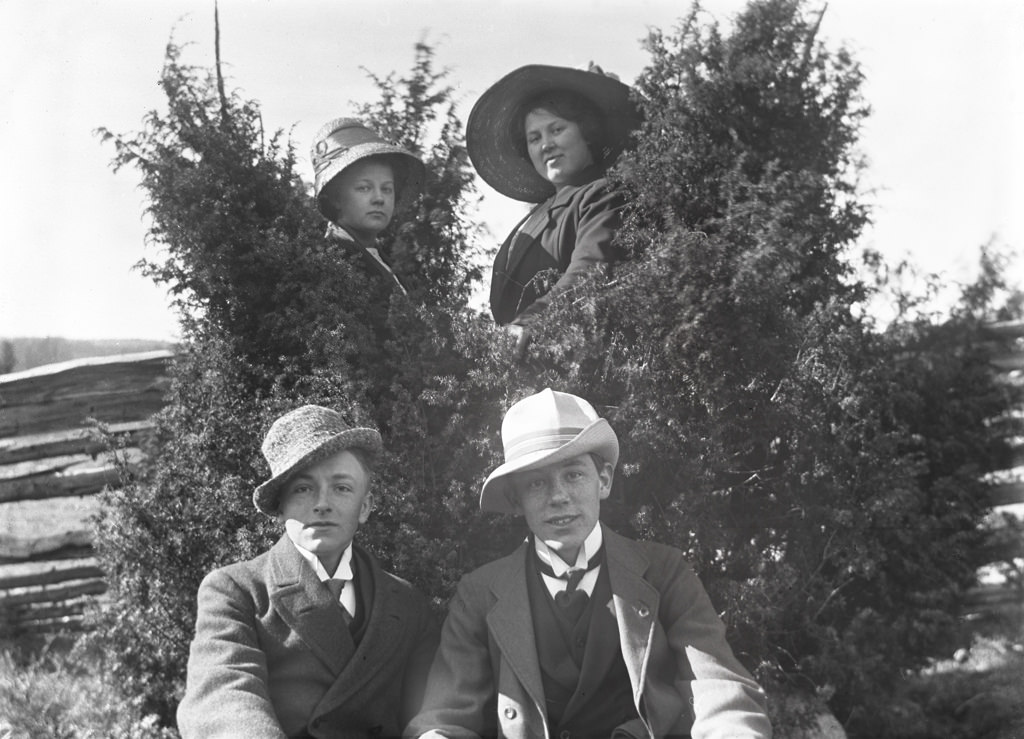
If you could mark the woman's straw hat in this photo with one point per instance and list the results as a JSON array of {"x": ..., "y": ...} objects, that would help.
[
  {"x": 344, "y": 141},
  {"x": 490, "y": 134}
]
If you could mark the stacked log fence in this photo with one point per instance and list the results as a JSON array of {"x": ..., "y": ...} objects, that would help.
[
  {"x": 53, "y": 463},
  {"x": 56, "y": 423}
]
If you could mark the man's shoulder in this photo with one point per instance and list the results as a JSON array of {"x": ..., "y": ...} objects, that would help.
[{"x": 497, "y": 570}]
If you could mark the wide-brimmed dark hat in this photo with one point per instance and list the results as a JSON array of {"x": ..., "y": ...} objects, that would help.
[
  {"x": 491, "y": 133},
  {"x": 303, "y": 437},
  {"x": 344, "y": 141},
  {"x": 543, "y": 429}
]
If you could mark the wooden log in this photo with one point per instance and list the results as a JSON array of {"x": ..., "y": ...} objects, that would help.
[
  {"x": 24, "y": 574},
  {"x": 57, "y": 555},
  {"x": 64, "y": 476},
  {"x": 72, "y": 441},
  {"x": 61, "y": 396},
  {"x": 1005, "y": 329},
  {"x": 1006, "y": 493},
  {"x": 48, "y": 593},
  {"x": 23, "y": 614},
  {"x": 18, "y": 548}
]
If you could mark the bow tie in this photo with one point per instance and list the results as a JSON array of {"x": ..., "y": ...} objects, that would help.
[{"x": 573, "y": 575}]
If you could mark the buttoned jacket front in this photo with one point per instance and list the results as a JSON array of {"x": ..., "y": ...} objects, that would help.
[
  {"x": 486, "y": 679},
  {"x": 570, "y": 233},
  {"x": 272, "y": 656}
]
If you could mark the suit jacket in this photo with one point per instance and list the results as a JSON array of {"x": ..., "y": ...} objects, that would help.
[
  {"x": 571, "y": 232},
  {"x": 486, "y": 680},
  {"x": 272, "y": 656}
]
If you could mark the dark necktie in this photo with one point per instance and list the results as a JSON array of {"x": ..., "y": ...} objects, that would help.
[
  {"x": 336, "y": 586},
  {"x": 572, "y": 599}
]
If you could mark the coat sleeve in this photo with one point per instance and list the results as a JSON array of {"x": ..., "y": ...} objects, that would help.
[
  {"x": 226, "y": 690},
  {"x": 588, "y": 231},
  {"x": 460, "y": 697},
  {"x": 727, "y": 701},
  {"x": 418, "y": 666}
]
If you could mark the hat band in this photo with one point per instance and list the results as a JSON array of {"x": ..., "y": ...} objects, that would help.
[
  {"x": 538, "y": 441},
  {"x": 331, "y": 147}
]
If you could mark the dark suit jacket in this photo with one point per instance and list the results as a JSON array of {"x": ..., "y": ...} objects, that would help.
[
  {"x": 272, "y": 656},
  {"x": 571, "y": 232},
  {"x": 486, "y": 679}
]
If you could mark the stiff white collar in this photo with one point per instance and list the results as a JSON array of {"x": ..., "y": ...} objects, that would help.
[
  {"x": 342, "y": 572},
  {"x": 558, "y": 565}
]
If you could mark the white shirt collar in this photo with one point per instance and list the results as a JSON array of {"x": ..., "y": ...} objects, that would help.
[
  {"x": 343, "y": 571},
  {"x": 590, "y": 546}
]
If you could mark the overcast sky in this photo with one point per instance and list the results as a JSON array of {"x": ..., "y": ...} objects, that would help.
[{"x": 943, "y": 79}]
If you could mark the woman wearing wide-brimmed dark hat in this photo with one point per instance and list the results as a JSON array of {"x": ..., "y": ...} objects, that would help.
[
  {"x": 361, "y": 182},
  {"x": 547, "y": 135}
]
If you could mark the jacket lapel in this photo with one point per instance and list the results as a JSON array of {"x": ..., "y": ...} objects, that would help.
[
  {"x": 511, "y": 625},
  {"x": 385, "y": 624},
  {"x": 306, "y": 606},
  {"x": 636, "y": 604}
]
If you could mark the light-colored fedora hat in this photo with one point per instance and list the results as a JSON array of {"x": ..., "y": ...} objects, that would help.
[
  {"x": 303, "y": 437},
  {"x": 543, "y": 429},
  {"x": 491, "y": 133},
  {"x": 342, "y": 142}
]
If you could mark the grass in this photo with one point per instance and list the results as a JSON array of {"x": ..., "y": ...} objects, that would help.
[
  {"x": 978, "y": 693},
  {"x": 59, "y": 692}
]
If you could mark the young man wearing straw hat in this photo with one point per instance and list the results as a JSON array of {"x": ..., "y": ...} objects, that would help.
[
  {"x": 580, "y": 632},
  {"x": 311, "y": 638}
]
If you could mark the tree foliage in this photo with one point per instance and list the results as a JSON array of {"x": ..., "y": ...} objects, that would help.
[{"x": 824, "y": 475}]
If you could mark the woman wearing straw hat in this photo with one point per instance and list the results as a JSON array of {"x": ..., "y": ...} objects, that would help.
[
  {"x": 547, "y": 135},
  {"x": 361, "y": 182}
]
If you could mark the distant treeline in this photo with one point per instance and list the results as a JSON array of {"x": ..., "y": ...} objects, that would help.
[{"x": 24, "y": 353}]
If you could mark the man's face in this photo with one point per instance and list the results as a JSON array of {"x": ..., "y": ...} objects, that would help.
[
  {"x": 323, "y": 504},
  {"x": 562, "y": 501}
]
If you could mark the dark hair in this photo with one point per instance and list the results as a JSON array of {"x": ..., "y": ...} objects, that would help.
[
  {"x": 571, "y": 106},
  {"x": 399, "y": 171}
]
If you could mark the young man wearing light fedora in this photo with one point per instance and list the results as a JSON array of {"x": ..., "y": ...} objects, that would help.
[
  {"x": 311, "y": 638},
  {"x": 580, "y": 632}
]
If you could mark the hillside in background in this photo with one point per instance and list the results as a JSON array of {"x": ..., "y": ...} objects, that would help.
[{"x": 24, "y": 353}]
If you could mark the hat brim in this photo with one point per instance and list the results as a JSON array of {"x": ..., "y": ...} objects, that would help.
[
  {"x": 598, "y": 438},
  {"x": 490, "y": 139},
  {"x": 265, "y": 496},
  {"x": 413, "y": 173}
]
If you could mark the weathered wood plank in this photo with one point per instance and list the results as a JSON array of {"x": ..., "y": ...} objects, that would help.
[
  {"x": 64, "y": 476},
  {"x": 72, "y": 441},
  {"x": 18, "y": 548},
  {"x": 109, "y": 389},
  {"x": 1007, "y": 493},
  {"x": 35, "y": 612},
  {"x": 47, "y": 593},
  {"x": 25, "y": 574},
  {"x": 1005, "y": 329}
]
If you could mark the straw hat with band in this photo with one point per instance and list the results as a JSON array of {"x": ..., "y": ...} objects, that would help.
[
  {"x": 344, "y": 141},
  {"x": 543, "y": 429},
  {"x": 303, "y": 437},
  {"x": 491, "y": 130}
]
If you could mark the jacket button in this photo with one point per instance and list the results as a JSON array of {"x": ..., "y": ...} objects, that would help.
[
  {"x": 644, "y": 611},
  {"x": 564, "y": 734},
  {"x": 510, "y": 712}
]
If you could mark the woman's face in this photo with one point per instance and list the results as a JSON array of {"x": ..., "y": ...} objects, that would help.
[
  {"x": 364, "y": 197},
  {"x": 556, "y": 146}
]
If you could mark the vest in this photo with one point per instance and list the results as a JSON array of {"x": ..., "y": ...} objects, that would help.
[{"x": 586, "y": 686}]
